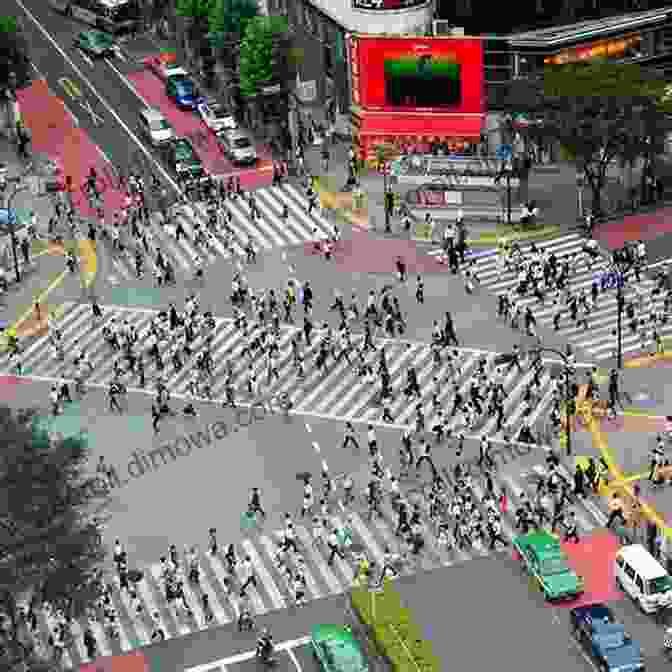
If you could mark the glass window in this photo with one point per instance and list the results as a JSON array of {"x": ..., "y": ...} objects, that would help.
[
  {"x": 640, "y": 584},
  {"x": 328, "y": 60}
]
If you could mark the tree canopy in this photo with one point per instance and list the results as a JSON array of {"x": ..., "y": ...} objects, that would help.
[
  {"x": 229, "y": 18},
  {"x": 259, "y": 53},
  {"x": 50, "y": 547},
  {"x": 598, "y": 112},
  {"x": 199, "y": 10},
  {"x": 13, "y": 50}
]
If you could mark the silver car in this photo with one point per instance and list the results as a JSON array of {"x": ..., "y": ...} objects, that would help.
[
  {"x": 238, "y": 146},
  {"x": 155, "y": 128}
]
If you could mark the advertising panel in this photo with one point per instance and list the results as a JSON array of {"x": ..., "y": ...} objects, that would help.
[{"x": 417, "y": 73}]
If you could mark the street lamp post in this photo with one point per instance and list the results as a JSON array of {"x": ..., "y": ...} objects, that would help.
[
  {"x": 569, "y": 401},
  {"x": 619, "y": 269}
]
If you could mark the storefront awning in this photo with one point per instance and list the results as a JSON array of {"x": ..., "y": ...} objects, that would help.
[{"x": 419, "y": 125}]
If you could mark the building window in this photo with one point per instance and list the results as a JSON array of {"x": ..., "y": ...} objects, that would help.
[{"x": 328, "y": 60}]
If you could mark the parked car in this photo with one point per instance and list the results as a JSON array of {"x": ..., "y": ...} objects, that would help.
[
  {"x": 182, "y": 158},
  {"x": 337, "y": 649},
  {"x": 605, "y": 640},
  {"x": 238, "y": 146},
  {"x": 215, "y": 116},
  {"x": 183, "y": 92},
  {"x": 154, "y": 127},
  {"x": 165, "y": 69},
  {"x": 546, "y": 563},
  {"x": 96, "y": 43}
]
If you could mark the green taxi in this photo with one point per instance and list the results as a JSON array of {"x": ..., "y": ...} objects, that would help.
[
  {"x": 96, "y": 43},
  {"x": 546, "y": 563},
  {"x": 337, "y": 649}
]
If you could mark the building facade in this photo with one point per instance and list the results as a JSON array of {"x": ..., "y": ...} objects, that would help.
[{"x": 320, "y": 29}]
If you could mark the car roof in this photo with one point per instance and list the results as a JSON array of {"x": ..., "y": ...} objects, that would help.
[
  {"x": 645, "y": 563},
  {"x": 596, "y": 611},
  {"x": 542, "y": 540},
  {"x": 151, "y": 114}
]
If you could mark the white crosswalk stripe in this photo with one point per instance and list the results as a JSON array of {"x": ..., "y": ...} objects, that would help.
[
  {"x": 374, "y": 537},
  {"x": 340, "y": 393},
  {"x": 599, "y": 339},
  {"x": 267, "y": 232}
]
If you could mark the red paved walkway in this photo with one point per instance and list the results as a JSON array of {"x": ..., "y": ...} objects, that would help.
[
  {"x": 54, "y": 134},
  {"x": 188, "y": 124},
  {"x": 635, "y": 227}
]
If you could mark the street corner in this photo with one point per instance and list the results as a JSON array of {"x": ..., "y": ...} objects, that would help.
[
  {"x": 593, "y": 560},
  {"x": 660, "y": 360},
  {"x": 35, "y": 320},
  {"x": 137, "y": 297},
  {"x": 633, "y": 421}
]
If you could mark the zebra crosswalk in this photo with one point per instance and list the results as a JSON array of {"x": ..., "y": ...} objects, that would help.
[
  {"x": 138, "y": 616},
  {"x": 599, "y": 339},
  {"x": 339, "y": 392},
  {"x": 267, "y": 232}
]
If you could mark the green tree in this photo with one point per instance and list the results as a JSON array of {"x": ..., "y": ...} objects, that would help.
[
  {"x": 259, "y": 53},
  {"x": 229, "y": 18},
  {"x": 198, "y": 10},
  {"x": 50, "y": 546},
  {"x": 13, "y": 50},
  {"x": 598, "y": 112}
]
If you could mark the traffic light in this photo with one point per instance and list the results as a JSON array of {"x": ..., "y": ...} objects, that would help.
[
  {"x": 563, "y": 439},
  {"x": 571, "y": 407}
]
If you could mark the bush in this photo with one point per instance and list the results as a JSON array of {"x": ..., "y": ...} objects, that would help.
[{"x": 395, "y": 634}]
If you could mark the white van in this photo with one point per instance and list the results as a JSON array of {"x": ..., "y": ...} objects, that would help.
[{"x": 642, "y": 577}]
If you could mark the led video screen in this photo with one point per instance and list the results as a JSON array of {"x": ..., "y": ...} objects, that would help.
[
  {"x": 402, "y": 74},
  {"x": 422, "y": 81}
]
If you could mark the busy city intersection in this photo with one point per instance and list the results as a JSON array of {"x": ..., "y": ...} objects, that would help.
[{"x": 308, "y": 366}]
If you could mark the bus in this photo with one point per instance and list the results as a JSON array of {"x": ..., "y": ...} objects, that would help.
[{"x": 113, "y": 16}]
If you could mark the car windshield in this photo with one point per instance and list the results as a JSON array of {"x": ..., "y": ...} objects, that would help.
[
  {"x": 159, "y": 124},
  {"x": 611, "y": 637},
  {"x": 660, "y": 584},
  {"x": 185, "y": 87},
  {"x": 241, "y": 143},
  {"x": 344, "y": 655},
  {"x": 554, "y": 565},
  {"x": 183, "y": 152}
]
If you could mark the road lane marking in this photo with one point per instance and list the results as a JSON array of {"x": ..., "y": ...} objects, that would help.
[
  {"x": 293, "y": 658},
  {"x": 93, "y": 89},
  {"x": 86, "y": 58},
  {"x": 40, "y": 297},
  {"x": 248, "y": 655},
  {"x": 70, "y": 88}
]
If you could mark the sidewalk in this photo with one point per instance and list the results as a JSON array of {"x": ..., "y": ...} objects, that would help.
[{"x": 24, "y": 203}]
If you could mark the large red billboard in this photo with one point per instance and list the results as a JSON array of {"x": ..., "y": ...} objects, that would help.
[{"x": 398, "y": 74}]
